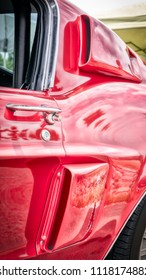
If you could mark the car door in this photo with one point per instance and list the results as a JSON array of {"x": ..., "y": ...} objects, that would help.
[{"x": 30, "y": 129}]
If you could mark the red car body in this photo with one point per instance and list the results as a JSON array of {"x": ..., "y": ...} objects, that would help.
[{"x": 68, "y": 194}]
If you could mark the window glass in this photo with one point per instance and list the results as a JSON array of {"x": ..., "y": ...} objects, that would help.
[
  {"x": 7, "y": 41},
  {"x": 32, "y": 28}
]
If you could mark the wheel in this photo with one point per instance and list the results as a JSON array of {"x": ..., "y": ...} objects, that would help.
[{"x": 131, "y": 243}]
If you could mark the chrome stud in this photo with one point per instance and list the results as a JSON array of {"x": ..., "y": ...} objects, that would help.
[{"x": 45, "y": 134}]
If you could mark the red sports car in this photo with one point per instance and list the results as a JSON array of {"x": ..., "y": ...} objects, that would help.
[{"x": 72, "y": 136}]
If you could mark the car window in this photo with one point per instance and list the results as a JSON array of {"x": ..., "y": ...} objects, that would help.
[{"x": 7, "y": 43}]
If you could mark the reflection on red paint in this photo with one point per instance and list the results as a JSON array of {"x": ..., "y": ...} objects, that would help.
[
  {"x": 93, "y": 117},
  {"x": 123, "y": 178},
  {"x": 14, "y": 206},
  {"x": 85, "y": 193},
  {"x": 13, "y": 133},
  {"x": 88, "y": 188}
]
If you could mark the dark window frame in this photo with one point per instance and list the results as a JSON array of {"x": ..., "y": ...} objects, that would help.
[{"x": 35, "y": 71}]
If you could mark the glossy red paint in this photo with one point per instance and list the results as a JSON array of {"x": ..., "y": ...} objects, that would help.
[
  {"x": 69, "y": 198},
  {"x": 118, "y": 60}
]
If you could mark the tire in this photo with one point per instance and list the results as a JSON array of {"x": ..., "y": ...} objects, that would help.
[{"x": 130, "y": 242}]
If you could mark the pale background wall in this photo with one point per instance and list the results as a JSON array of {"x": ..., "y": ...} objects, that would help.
[{"x": 126, "y": 17}]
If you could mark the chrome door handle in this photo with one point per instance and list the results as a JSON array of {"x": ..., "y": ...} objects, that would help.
[
  {"x": 42, "y": 108},
  {"x": 50, "y": 113}
]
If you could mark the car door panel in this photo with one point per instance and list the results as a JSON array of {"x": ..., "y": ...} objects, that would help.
[{"x": 27, "y": 165}]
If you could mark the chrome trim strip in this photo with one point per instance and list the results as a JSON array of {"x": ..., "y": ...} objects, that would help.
[
  {"x": 42, "y": 66},
  {"x": 53, "y": 44}
]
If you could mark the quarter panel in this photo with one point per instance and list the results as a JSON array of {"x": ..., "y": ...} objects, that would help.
[{"x": 108, "y": 123}]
